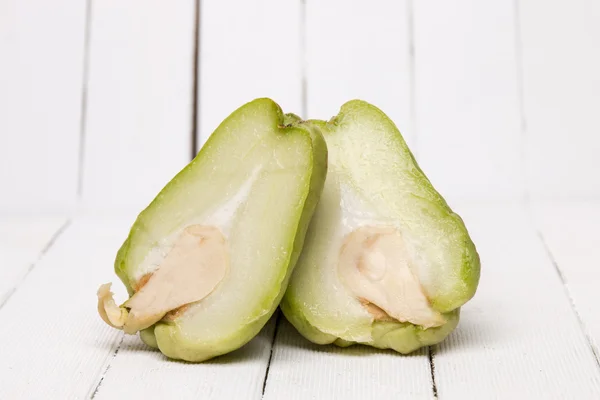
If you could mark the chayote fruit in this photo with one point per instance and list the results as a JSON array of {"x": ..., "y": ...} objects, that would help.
[
  {"x": 207, "y": 262},
  {"x": 386, "y": 262}
]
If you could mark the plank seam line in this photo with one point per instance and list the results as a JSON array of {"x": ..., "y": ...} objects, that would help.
[
  {"x": 431, "y": 357},
  {"x": 412, "y": 76},
  {"x": 195, "y": 81},
  {"x": 32, "y": 266},
  {"x": 521, "y": 101},
  {"x": 84, "y": 97},
  {"x": 303, "y": 61},
  {"x": 563, "y": 280},
  {"x": 277, "y": 323},
  {"x": 114, "y": 355}
]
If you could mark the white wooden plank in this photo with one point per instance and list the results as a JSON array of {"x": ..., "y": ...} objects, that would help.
[
  {"x": 139, "y": 101},
  {"x": 302, "y": 370},
  {"x": 23, "y": 239},
  {"x": 41, "y": 75},
  {"x": 561, "y": 89},
  {"x": 54, "y": 345},
  {"x": 359, "y": 49},
  {"x": 467, "y": 108},
  {"x": 571, "y": 233},
  {"x": 138, "y": 372},
  {"x": 248, "y": 49},
  {"x": 519, "y": 337}
]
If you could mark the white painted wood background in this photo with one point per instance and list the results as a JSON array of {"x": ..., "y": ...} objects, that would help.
[{"x": 103, "y": 101}]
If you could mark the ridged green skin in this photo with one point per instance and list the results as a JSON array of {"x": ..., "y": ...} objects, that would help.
[
  {"x": 412, "y": 204},
  {"x": 401, "y": 337},
  {"x": 169, "y": 337}
]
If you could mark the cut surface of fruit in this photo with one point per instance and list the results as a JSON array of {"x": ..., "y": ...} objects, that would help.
[
  {"x": 206, "y": 263},
  {"x": 190, "y": 271},
  {"x": 374, "y": 266},
  {"x": 386, "y": 261}
]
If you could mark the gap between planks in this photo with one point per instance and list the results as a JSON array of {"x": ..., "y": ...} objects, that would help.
[
  {"x": 413, "y": 125},
  {"x": 304, "y": 61},
  {"x": 525, "y": 195},
  {"x": 563, "y": 281},
  {"x": 32, "y": 266},
  {"x": 431, "y": 357},
  {"x": 195, "y": 81},
  {"x": 304, "y": 111},
  {"x": 193, "y": 135},
  {"x": 97, "y": 386},
  {"x": 84, "y": 96},
  {"x": 277, "y": 323},
  {"x": 412, "y": 76}
]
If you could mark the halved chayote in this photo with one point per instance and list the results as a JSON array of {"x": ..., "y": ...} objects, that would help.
[
  {"x": 207, "y": 262},
  {"x": 386, "y": 262}
]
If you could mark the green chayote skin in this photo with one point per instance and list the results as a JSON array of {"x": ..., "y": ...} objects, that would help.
[
  {"x": 367, "y": 163},
  {"x": 256, "y": 132},
  {"x": 402, "y": 337},
  {"x": 372, "y": 169}
]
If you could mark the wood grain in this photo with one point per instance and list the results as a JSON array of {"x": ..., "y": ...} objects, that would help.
[
  {"x": 247, "y": 50},
  {"x": 139, "y": 100},
  {"x": 467, "y": 104},
  {"x": 357, "y": 49},
  {"x": 56, "y": 346},
  {"x": 561, "y": 92},
  {"x": 570, "y": 233},
  {"x": 519, "y": 337},
  {"x": 142, "y": 373},
  {"x": 41, "y": 78},
  {"x": 23, "y": 241},
  {"x": 302, "y": 370}
]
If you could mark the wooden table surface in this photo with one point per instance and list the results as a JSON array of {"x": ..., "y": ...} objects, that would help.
[{"x": 103, "y": 101}]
